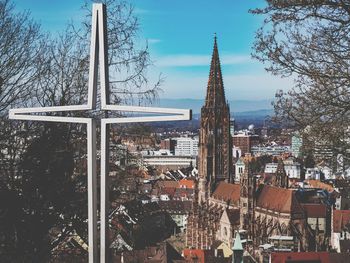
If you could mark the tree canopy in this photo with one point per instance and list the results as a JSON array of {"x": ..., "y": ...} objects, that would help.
[{"x": 309, "y": 41}]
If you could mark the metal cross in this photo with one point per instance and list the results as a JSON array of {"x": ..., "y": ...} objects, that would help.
[{"x": 98, "y": 57}]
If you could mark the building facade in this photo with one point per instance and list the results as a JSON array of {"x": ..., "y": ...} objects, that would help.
[
  {"x": 245, "y": 140},
  {"x": 214, "y": 160},
  {"x": 186, "y": 146}
]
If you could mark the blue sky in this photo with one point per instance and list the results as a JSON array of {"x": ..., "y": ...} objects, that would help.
[{"x": 180, "y": 36}]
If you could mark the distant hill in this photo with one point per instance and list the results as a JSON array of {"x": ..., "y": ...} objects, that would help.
[
  {"x": 235, "y": 105},
  {"x": 257, "y": 117},
  {"x": 242, "y": 119},
  {"x": 256, "y": 113},
  {"x": 245, "y": 118}
]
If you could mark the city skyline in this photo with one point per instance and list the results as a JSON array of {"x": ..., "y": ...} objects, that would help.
[
  {"x": 97, "y": 167},
  {"x": 180, "y": 38}
]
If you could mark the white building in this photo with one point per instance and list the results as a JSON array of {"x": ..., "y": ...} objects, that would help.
[
  {"x": 186, "y": 146},
  {"x": 161, "y": 152},
  {"x": 293, "y": 170},
  {"x": 170, "y": 162},
  {"x": 270, "y": 168},
  {"x": 274, "y": 150},
  {"x": 297, "y": 142},
  {"x": 239, "y": 169},
  {"x": 236, "y": 152},
  {"x": 327, "y": 171},
  {"x": 312, "y": 173}
]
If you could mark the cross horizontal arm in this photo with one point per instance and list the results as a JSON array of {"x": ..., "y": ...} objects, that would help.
[
  {"x": 50, "y": 118},
  {"x": 49, "y": 109},
  {"x": 145, "y": 119},
  {"x": 183, "y": 112}
]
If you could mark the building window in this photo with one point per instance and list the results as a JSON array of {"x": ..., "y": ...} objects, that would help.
[{"x": 225, "y": 231}]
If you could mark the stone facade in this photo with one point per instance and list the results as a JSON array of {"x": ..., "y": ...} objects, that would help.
[
  {"x": 220, "y": 207},
  {"x": 215, "y": 139}
]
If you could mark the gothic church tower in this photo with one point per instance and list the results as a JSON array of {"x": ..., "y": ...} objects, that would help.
[
  {"x": 214, "y": 139},
  {"x": 281, "y": 178}
]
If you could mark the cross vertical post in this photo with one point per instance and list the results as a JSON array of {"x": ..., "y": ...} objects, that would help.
[
  {"x": 104, "y": 202},
  {"x": 92, "y": 191}
]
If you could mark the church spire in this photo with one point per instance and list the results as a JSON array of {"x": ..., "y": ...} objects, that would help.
[
  {"x": 237, "y": 249},
  {"x": 281, "y": 178},
  {"x": 215, "y": 90},
  {"x": 215, "y": 151}
]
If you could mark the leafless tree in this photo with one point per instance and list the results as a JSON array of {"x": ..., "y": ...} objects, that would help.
[
  {"x": 309, "y": 40},
  {"x": 44, "y": 70},
  {"x": 20, "y": 44},
  {"x": 129, "y": 59},
  {"x": 54, "y": 71}
]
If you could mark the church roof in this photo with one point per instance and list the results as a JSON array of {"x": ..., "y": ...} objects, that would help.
[
  {"x": 167, "y": 184},
  {"x": 186, "y": 183},
  {"x": 215, "y": 90},
  {"x": 227, "y": 192},
  {"x": 234, "y": 216},
  {"x": 237, "y": 245},
  {"x": 315, "y": 210},
  {"x": 279, "y": 200}
]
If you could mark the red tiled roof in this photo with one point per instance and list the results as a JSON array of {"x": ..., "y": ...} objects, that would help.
[
  {"x": 162, "y": 184},
  {"x": 170, "y": 191},
  {"x": 340, "y": 219},
  {"x": 279, "y": 200},
  {"x": 321, "y": 185},
  {"x": 227, "y": 192},
  {"x": 184, "y": 192},
  {"x": 267, "y": 177},
  {"x": 315, "y": 210},
  {"x": 194, "y": 254},
  {"x": 185, "y": 183}
]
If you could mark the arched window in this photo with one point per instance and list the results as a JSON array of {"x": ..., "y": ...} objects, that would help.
[{"x": 225, "y": 231}]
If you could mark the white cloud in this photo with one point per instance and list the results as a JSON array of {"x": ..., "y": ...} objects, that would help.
[
  {"x": 199, "y": 60},
  {"x": 249, "y": 86}
]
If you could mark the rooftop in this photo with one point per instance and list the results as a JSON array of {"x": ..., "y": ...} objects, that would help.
[
  {"x": 279, "y": 200},
  {"x": 315, "y": 210},
  {"x": 321, "y": 185},
  {"x": 341, "y": 218},
  {"x": 227, "y": 192}
]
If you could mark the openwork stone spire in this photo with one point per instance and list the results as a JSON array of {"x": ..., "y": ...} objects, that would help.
[
  {"x": 215, "y": 139},
  {"x": 215, "y": 91},
  {"x": 281, "y": 177}
]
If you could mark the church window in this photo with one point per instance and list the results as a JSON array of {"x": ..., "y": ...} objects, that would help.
[{"x": 225, "y": 231}]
